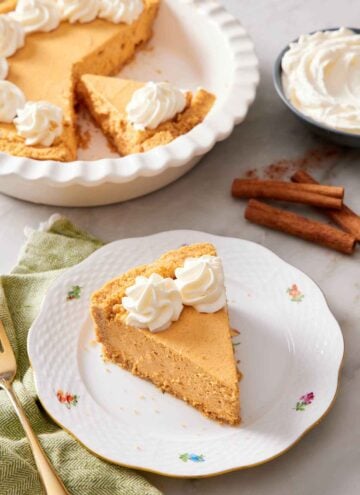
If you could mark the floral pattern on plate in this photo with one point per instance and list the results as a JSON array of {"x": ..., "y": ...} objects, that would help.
[
  {"x": 304, "y": 401},
  {"x": 191, "y": 457},
  {"x": 70, "y": 400},
  {"x": 295, "y": 294},
  {"x": 74, "y": 293}
]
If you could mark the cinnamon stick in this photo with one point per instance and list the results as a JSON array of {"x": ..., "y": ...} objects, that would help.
[
  {"x": 291, "y": 223},
  {"x": 239, "y": 185},
  {"x": 346, "y": 218},
  {"x": 286, "y": 191}
]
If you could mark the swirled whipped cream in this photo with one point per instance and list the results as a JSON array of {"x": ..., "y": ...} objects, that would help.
[
  {"x": 37, "y": 15},
  {"x": 201, "y": 283},
  {"x": 4, "y": 68},
  {"x": 12, "y": 99},
  {"x": 79, "y": 10},
  {"x": 39, "y": 122},
  {"x": 154, "y": 103},
  {"x": 117, "y": 11},
  {"x": 12, "y": 36},
  {"x": 152, "y": 303},
  {"x": 321, "y": 78}
]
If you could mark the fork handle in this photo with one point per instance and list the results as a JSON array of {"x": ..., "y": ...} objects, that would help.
[{"x": 52, "y": 483}]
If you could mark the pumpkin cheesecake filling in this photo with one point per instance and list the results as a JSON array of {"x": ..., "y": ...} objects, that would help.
[{"x": 193, "y": 359}]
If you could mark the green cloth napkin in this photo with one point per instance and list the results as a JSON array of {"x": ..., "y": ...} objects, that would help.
[{"x": 45, "y": 256}]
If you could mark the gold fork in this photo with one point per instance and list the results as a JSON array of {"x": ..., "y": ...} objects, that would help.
[{"x": 50, "y": 480}]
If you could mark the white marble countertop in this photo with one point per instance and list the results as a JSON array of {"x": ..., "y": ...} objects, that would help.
[{"x": 327, "y": 459}]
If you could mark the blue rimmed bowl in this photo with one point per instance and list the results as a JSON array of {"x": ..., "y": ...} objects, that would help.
[{"x": 339, "y": 137}]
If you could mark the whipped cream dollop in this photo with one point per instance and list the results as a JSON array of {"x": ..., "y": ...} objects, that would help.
[
  {"x": 201, "y": 283},
  {"x": 12, "y": 36},
  {"x": 39, "y": 122},
  {"x": 12, "y": 99},
  {"x": 154, "y": 103},
  {"x": 4, "y": 68},
  {"x": 37, "y": 15},
  {"x": 321, "y": 78},
  {"x": 152, "y": 303},
  {"x": 117, "y": 11},
  {"x": 79, "y": 10}
]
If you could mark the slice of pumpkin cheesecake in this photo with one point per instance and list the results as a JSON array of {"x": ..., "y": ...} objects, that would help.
[
  {"x": 167, "y": 322},
  {"x": 137, "y": 116}
]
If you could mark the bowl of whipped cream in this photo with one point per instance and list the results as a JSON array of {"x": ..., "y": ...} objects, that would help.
[{"x": 318, "y": 78}]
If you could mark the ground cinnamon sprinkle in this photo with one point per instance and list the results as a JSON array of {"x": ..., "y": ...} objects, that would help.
[
  {"x": 283, "y": 168},
  {"x": 251, "y": 174},
  {"x": 278, "y": 170}
]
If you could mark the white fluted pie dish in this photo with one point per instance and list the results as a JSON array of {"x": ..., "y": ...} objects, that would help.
[{"x": 195, "y": 43}]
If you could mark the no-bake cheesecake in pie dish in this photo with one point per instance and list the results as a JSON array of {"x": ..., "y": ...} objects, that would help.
[
  {"x": 167, "y": 322},
  {"x": 53, "y": 52}
]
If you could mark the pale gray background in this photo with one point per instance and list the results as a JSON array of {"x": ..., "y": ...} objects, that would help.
[{"x": 327, "y": 460}]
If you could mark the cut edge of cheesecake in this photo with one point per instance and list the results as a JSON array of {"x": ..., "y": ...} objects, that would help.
[
  {"x": 102, "y": 60},
  {"x": 106, "y": 99},
  {"x": 192, "y": 360}
]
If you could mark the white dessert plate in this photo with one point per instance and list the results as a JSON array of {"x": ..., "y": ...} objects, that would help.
[
  {"x": 195, "y": 43},
  {"x": 289, "y": 348}
]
